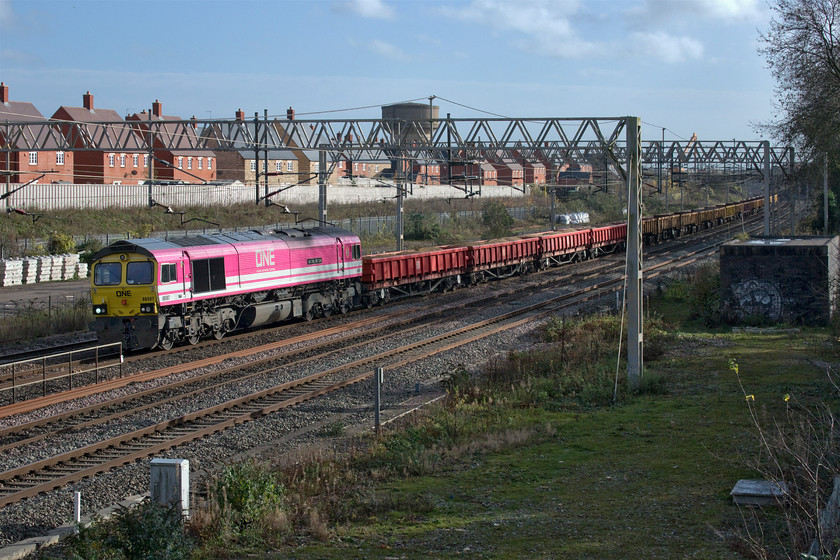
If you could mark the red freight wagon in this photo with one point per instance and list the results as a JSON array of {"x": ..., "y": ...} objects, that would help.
[
  {"x": 563, "y": 246},
  {"x": 505, "y": 253},
  {"x": 396, "y": 269},
  {"x": 607, "y": 236}
]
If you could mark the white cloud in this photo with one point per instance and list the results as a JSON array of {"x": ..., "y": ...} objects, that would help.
[
  {"x": 6, "y": 13},
  {"x": 383, "y": 48},
  {"x": 657, "y": 11},
  {"x": 10, "y": 55},
  {"x": 375, "y": 9},
  {"x": 665, "y": 47},
  {"x": 545, "y": 24}
]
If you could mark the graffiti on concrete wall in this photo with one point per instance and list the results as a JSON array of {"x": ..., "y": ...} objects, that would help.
[{"x": 758, "y": 298}]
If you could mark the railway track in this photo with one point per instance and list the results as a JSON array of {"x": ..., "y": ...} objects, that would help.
[{"x": 56, "y": 471}]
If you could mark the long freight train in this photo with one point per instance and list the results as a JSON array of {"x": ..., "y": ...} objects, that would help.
[{"x": 154, "y": 293}]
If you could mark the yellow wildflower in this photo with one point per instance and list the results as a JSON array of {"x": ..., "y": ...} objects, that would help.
[{"x": 750, "y": 397}]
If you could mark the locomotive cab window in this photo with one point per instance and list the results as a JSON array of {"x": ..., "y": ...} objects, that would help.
[
  {"x": 107, "y": 274},
  {"x": 357, "y": 251},
  {"x": 139, "y": 273},
  {"x": 167, "y": 273}
]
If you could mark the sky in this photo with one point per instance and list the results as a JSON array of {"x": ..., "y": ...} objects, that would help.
[{"x": 689, "y": 66}]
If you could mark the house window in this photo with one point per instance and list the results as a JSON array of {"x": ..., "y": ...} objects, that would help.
[
  {"x": 33, "y": 158},
  {"x": 318, "y": 167},
  {"x": 117, "y": 183},
  {"x": 253, "y": 165},
  {"x": 209, "y": 163},
  {"x": 122, "y": 160},
  {"x": 376, "y": 168},
  {"x": 110, "y": 160},
  {"x": 278, "y": 166},
  {"x": 189, "y": 163},
  {"x": 146, "y": 160},
  {"x": 180, "y": 162},
  {"x": 290, "y": 166},
  {"x": 59, "y": 158},
  {"x": 134, "y": 159},
  {"x": 200, "y": 163},
  {"x": 355, "y": 167}
]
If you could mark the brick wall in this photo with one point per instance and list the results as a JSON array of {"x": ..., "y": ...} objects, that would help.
[{"x": 780, "y": 280}]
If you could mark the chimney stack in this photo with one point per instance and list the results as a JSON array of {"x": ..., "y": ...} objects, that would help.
[
  {"x": 157, "y": 108},
  {"x": 290, "y": 114},
  {"x": 87, "y": 100},
  {"x": 4, "y": 92},
  {"x": 240, "y": 115}
]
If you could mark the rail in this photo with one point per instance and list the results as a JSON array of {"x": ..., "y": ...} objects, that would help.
[{"x": 15, "y": 376}]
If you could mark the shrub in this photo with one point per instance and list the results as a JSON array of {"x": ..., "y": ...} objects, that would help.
[
  {"x": 496, "y": 220},
  {"x": 146, "y": 532},
  {"x": 60, "y": 244},
  {"x": 247, "y": 491}
]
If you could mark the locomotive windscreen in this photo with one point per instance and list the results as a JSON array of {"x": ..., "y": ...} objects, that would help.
[{"x": 208, "y": 275}]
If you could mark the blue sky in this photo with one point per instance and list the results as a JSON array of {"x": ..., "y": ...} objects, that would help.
[{"x": 687, "y": 65}]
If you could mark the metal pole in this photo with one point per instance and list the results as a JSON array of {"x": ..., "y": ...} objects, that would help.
[
  {"x": 766, "y": 187},
  {"x": 265, "y": 156},
  {"x": 661, "y": 154},
  {"x": 553, "y": 217},
  {"x": 399, "y": 226},
  {"x": 77, "y": 507},
  {"x": 322, "y": 186},
  {"x": 825, "y": 195},
  {"x": 257, "y": 157},
  {"x": 634, "y": 252},
  {"x": 380, "y": 376}
]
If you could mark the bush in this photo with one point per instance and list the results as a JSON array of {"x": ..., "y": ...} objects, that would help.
[
  {"x": 60, "y": 244},
  {"x": 247, "y": 491},
  {"x": 146, "y": 532},
  {"x": 496, "y": 220}
]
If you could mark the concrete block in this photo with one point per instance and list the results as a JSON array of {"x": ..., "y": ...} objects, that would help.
[{"x": 759, "y": 492}]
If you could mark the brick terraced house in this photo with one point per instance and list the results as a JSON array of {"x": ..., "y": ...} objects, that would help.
[
  {"x": 22, "y": 165},
  {"x": 112, "y": 147}
]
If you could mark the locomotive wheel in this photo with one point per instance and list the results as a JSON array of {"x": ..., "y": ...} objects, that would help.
[
  {"x": 326, "y": 310},
  {"x": 343, "y": 307},
  {"x": 309, "y": 315},
  {"x": 219, "y": 334},
  {"x": 193, "y": 339},
  {"x": 166, "y": 343}
]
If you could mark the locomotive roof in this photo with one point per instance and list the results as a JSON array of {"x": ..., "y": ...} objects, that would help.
[{"x": 148, "y": 245}]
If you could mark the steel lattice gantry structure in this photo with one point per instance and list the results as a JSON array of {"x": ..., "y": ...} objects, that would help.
[{"x": 551, "y": 141}]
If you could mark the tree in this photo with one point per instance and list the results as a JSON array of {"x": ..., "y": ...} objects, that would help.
[{"x": 803, "y": 53}]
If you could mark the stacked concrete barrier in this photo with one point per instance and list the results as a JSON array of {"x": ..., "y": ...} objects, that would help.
[
  {"x": 11, "y": 273},
  {"x": 70, "y": 264},
  {"x": 30, "y": 271}
]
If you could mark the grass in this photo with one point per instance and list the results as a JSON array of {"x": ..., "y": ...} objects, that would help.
[{"x": 502, "y": 475}]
